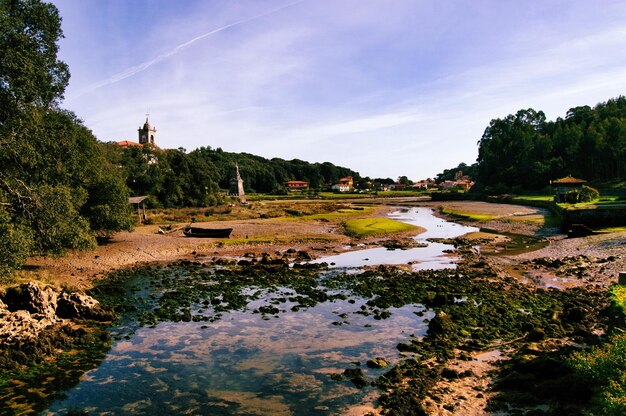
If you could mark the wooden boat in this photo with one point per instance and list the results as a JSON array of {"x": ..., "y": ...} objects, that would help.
[{"x": 207, "y": 232}]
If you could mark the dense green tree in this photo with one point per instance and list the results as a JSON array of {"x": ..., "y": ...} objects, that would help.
[
  {"x": 56, "y": 189},
  {"x": 525, "y": 151},
  {"x": 462, "y": 168},
  {"x": 30, "y": 73}
]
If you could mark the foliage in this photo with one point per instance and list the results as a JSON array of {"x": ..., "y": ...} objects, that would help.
[
  {"x": 461, "y": 169},
  {"x": 15, "y": 245},
  {"x": 526, "y": 151},
  {"x": 56, "y": 188},
  {"x": 589, "y": 194},
  {"x": 30, "y": 74},
  {"x": 175, "y": 178},
  {"x": 605, "y": 367}
]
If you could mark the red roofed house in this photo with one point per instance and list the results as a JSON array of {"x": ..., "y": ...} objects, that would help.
[
  {"x": 345, "y": 185},
  {"x": 128, "y": 143},
  {"x": 297, "y": 185}
]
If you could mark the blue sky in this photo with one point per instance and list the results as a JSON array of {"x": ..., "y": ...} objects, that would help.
[{"x": 385, "y": 87}]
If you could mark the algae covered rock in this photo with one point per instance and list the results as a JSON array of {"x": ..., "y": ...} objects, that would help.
[
  {"x": 441, "y": 325},
  {"x": 356, "y": 376},
  {"x": 377, "y": 362}
]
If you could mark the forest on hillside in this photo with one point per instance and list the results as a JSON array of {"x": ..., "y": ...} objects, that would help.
[
  {"x": 523, "y": 151},
  {"x": 176, "y": 178}
]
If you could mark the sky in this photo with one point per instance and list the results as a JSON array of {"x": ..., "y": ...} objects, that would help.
[{"x": 387, "y": 88}]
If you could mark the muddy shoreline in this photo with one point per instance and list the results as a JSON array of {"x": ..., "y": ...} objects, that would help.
[{"x": 461, "y": 380}]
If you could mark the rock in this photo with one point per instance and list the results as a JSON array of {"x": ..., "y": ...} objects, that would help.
[
  {"x": 377, "y": 362},
  {"x": 303, "y": 255},
  {"x": 76, "y": 305},
  {"x": 441, "y": 324},
  {"x": 356, "y": 376},
  {"x": 30, "y": 297},
  {"x": 22, "y": 325}
]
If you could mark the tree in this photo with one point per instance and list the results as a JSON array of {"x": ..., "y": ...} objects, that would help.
[
  {"x": 56, "y": 188},
  {"x": 30, "y": 73}
]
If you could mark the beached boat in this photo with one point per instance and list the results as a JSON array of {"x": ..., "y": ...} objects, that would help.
[{"x": 207, "y": 232}]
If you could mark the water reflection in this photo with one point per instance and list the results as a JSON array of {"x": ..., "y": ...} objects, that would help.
[
  {"x": 245, "y": 364},
  {"x": 432, "y": 256}
]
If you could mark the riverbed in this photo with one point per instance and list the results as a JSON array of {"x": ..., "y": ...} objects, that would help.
[{"x": 288, "y": 359}]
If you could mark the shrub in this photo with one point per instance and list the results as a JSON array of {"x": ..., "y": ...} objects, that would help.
[
  {"x": 589, "y": 194},
  {"x": 605, "y": 368},
  {"x": 571, "y": 197}
]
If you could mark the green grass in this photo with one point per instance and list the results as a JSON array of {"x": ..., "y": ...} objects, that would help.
[
  {"x": 536, "y": 197},
  {"x": 618, "y": 296},
  {"x": 367, "y": 227},
  {"x": 610, "y": 229},
  {"x": 466, "y": 215}
]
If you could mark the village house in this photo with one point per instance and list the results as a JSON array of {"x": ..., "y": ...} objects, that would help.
[
  {"x": 562, "y": 186},
  {"x": 397, "y": 186},
  {"x": 346, "y": 184},
  {"x": 297, "y": 185},
  {"x": 463, "y": 184},
  {"x": 425, "y": 184}
]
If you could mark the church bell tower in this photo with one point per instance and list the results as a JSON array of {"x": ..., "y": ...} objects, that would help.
[{"x": 147, "y": 133}]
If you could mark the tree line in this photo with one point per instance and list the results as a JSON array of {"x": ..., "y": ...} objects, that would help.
[
  {"x": 524, "y": 151},
  {"x": 176, "y": 178}
]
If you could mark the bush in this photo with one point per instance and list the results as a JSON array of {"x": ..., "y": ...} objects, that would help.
[
  {"x": 572, "y": 197},
  {"x": 589, "y": 194},
  {"x": 605, "y": 368}
]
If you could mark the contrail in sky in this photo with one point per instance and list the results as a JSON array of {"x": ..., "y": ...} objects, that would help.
[{"x": 145, "y": 65}]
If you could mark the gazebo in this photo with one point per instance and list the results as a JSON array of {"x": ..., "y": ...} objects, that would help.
[
  {"x": 141, "y": 206},
  {"x": 566, "y": 184}
]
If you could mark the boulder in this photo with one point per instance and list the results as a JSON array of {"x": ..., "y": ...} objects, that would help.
[
  {"x": 30, "y": 297},
  {"x": 76, "y": 305},
  {"x": 377, "y": 362},
  {"x": 441, "y": 324}
]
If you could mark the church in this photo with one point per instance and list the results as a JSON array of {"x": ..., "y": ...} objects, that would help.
[{"x": 146, "y": 135}]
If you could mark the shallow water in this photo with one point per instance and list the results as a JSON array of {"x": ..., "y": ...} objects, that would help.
[
  {"x": 245, "y": 364},
  {"x": 260, "y": 364},
  {"x": 433, "y": 256}
]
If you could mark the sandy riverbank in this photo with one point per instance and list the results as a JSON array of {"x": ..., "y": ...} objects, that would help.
[{"x": 319, "y": 238}]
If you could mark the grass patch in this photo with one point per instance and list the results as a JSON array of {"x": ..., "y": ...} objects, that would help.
[
  {"x": 605, "y": 368},
  {"x": 467, "y": 215},
  {"x": 611, "y": 230},
  {"x": 366, "y": 227},
  {"x": 536, "y": 197},
  {"x": 618, "y": 296}
]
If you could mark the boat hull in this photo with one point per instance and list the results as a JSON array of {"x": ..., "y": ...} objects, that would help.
[{"x": 207, "y": 232}]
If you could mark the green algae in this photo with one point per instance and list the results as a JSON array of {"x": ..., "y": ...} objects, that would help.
[{"x": 475, "y": 310}]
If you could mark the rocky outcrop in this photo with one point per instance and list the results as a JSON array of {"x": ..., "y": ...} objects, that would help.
[
  {"x": 28, "y": 309},
  {"x": 76, "y": 305},
  {"x": 31, "y": 298}
]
